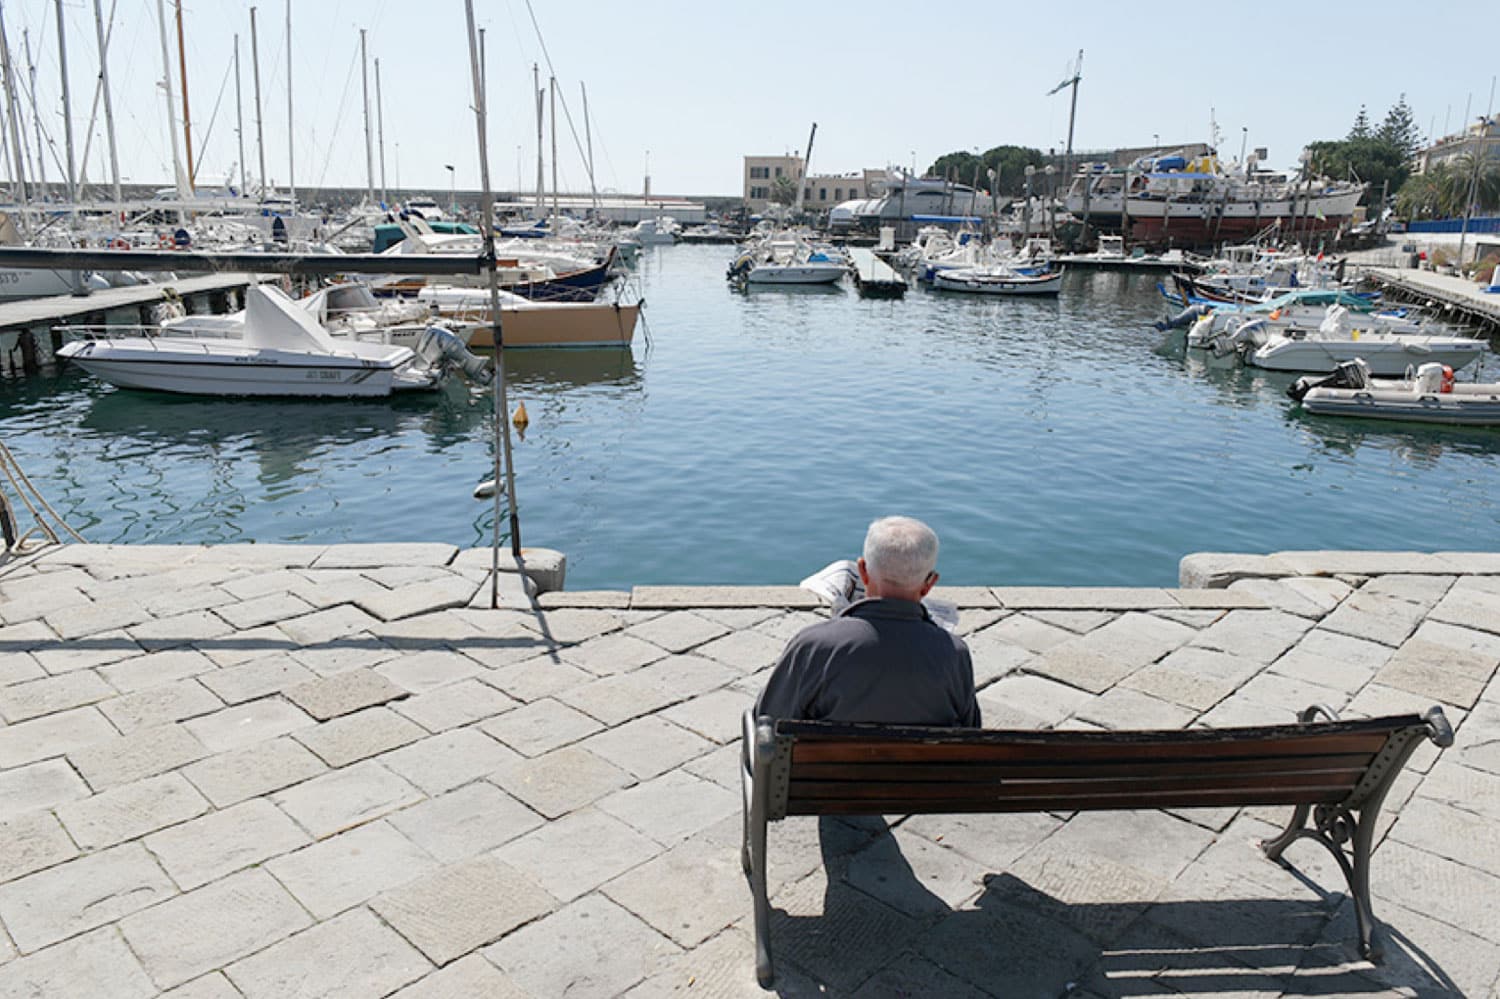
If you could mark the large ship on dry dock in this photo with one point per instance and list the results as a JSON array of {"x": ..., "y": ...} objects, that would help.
[{"x": 1174, "y": 200}]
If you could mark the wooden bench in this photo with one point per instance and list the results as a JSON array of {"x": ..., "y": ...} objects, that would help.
[{"x": 1337, "y": 772}]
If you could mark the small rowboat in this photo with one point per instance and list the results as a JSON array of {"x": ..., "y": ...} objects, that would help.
[{"x": 997, "y": 281}]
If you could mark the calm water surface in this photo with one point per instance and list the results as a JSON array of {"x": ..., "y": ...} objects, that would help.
[{"x": 750, "y": 439}]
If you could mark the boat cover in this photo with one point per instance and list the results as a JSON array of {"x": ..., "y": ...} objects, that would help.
[{"x": 275, "y": 322}]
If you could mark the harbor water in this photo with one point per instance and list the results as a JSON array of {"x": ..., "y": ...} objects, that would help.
[{"x": 750, "y": 437}]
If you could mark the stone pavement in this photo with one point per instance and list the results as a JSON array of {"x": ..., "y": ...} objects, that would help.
[{"x": 273, "y": 771}]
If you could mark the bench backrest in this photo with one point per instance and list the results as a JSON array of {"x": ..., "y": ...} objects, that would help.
[{"x": 820, "y": 768}]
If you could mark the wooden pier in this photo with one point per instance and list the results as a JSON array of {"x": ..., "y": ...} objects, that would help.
[
  {"x": 26, "y": 338},
  {"x": 1454, "y": 293},
  {"x": 874, "y": 277}
]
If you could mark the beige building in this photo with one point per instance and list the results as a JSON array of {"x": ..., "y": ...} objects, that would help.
[
  {"x": 820, "y": 192},
  {"x": 1481, "y": 139}
]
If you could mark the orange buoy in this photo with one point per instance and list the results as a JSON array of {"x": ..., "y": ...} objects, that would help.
[{"x": 520, "y": 419}]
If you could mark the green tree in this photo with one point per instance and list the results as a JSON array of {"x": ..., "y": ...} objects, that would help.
[
  {"x": 1399, "y": 130},
  {"x": 784, "y": 191},
  {"x": 1371, "y": 161},
  {"x": 1009, "y": 163},
  {"x": 1361, "y": 129}
]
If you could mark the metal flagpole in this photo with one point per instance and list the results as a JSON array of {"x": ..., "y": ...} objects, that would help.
[{"x": 502, "y": 427}]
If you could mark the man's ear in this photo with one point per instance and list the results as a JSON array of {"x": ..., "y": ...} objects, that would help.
[
  {"x": 932, "y": 579},
  {"x": 864, "y": 574}
]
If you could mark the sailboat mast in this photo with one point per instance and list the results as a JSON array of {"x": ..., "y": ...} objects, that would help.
[
  {"x": 239, "y": 113},
  {"x": 12, "y": 108},
  {"x": 364, "y": 84},
  {"x": 536, "y": 77},
  {"x": 291, "y": 162},
  {"x": 589, "y": 138},
  {"x": 260, "y": 135},
  {"x": 62, "y": 67},
  {"x": 552, "y": 89},
  {"x": 1072, "y": 113},
  {"x": 187, "y": 121},
  {"x": 36, "y": 117},
  {"x": 109, "y": 113},
  {"x": 380, "y": 129},
  {"x": 166, "y": 82}
]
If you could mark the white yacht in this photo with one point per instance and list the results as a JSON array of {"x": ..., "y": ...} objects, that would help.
[
  {"x": 425, "y": 207},
  {"x": 282, "y": 351}
]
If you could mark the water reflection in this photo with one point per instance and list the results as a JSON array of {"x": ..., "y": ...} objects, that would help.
[
  {"x": 1421, "y": 445},
  {"x": 565, "y": 369}
]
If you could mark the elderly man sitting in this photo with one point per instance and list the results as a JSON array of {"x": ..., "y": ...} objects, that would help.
[{"x": 882, "y": 659}]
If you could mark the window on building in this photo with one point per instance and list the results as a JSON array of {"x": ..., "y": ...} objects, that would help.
[
  {"x": 778, "y": 171},
  {"x": 822, "y": 194},
  {"x": 838, "y": 194},
  {"x": 760, "y": 173},
  {"x": 807, "y": 194}
]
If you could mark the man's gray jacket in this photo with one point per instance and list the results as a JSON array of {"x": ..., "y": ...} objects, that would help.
[{"x": 879, "y": 661}]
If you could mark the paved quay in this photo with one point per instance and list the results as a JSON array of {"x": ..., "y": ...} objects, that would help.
[{"x": 275, "y": 771}]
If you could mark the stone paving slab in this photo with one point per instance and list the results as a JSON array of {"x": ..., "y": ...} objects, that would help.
[{"x": 330, "y": 770}]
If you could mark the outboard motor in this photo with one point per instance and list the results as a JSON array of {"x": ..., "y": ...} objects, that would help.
[
  {"x": 1353, "y": 374},
  {"x": 441, "y": 348},
  {"x": 1184, "y": 318},
  {"x": 1251, "y": 331},
  {"x": 1202, "y": 331}
]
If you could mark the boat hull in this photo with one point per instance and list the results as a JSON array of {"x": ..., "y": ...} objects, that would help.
[
  {"x": 986, "y": 284},
  {"x": 1385, "y": 358},
  {"x": 1470, "y": 409},
  {"x": 224, "y": 371},
  {"x": 794, "y": 274},
  {"x": 569, "y": 325}
]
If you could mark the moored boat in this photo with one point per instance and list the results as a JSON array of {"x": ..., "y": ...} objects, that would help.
[
  {"x": 998, "y": 281},
  {"x": 1430, "y": 394},
  {"x": 282, "y": 351}
]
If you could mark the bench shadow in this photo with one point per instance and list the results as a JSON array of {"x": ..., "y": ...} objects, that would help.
[{"x": 1016, "y": 939}]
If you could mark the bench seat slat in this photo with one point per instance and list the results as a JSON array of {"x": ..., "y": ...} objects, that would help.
[
  {"x": 1207, "y": 798},
  {"x": 999, "y": 789},
  {"x": 835, "y": 750},
  {"x": 966, "y": 771}
]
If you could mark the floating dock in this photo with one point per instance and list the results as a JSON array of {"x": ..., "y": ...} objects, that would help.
[
  {"x": 1455, "y": 293},
  {"x": 1090, "y": 261},
  {"x": 874, "y": 277},
  {"x": 26, "y": 339}
]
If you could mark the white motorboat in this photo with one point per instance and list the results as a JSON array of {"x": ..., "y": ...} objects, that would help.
[
  {"x": 426, "y": 208},
  {"x": 1388, "y": 349},
  {"x": 787, "y": 258},
  {"x": 660, "y": 231},
  {"x": 1428, "y": 395},
  {"x": 282, "y": 351},
  {"x": 998, "y": 280}
]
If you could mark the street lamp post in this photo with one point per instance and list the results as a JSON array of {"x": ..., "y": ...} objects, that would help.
[
  {"x": 1051, "y": 217},
  {"x": 1026, "y": 213},
  {"x": 452, "y": 197}
]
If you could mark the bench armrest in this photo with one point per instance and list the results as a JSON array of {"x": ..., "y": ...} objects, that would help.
[{"x": 1438, "y": 729}]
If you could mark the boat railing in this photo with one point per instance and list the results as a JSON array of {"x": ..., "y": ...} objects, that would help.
[{"x": 150, "y": 334}]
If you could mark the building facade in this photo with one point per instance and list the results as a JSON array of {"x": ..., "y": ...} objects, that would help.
[
  {"x": 820, "y": 192},
  {"x": 1481, "y": 139}
]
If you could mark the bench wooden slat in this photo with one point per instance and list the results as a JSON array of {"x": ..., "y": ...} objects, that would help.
[
  {"x": 965, "y": 771},
  {"x": 800, "y": 790},
  {"x": 1208, "y": 798},
  {"x": 838, "y": 750}
]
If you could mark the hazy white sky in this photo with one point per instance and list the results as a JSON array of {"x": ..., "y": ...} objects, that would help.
[{"x": 700, "y": 83}]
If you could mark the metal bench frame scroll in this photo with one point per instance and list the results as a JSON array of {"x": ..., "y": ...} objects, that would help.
[{"x": 1347, "y": 829}]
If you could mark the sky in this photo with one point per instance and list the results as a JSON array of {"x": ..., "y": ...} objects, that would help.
[{"x": 686, "y": 88}]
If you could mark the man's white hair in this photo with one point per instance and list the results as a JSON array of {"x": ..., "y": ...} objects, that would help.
[{"x": 900, "y": 551}]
